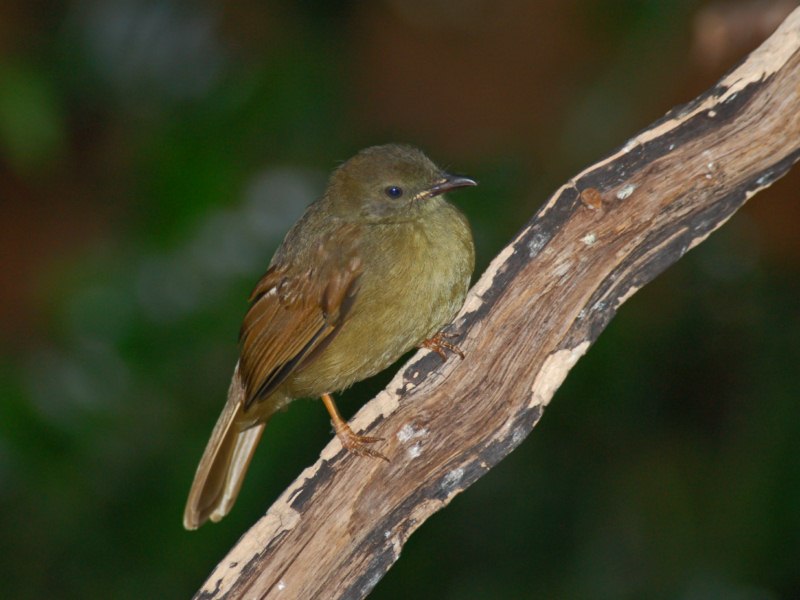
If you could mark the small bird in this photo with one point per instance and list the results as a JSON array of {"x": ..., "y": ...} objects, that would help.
[{"x": 374, "y": 268}]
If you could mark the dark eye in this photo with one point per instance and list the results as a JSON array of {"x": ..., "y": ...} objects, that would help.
[{"x": 394, "y": 192}]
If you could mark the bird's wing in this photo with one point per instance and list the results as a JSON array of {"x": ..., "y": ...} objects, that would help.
[{"x": 295, "y": 313}]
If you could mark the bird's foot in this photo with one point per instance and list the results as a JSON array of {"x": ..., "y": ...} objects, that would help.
[
  {"x": 351, "y": 441},
  {"x": 357, "y": 444},
  {"x": 439, "y": 344}
]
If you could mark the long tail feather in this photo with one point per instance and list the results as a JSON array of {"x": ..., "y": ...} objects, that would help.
[{"x": 224, "y": 463}]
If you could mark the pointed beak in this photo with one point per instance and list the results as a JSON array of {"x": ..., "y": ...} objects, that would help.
[{"x": 450, "y": 182}]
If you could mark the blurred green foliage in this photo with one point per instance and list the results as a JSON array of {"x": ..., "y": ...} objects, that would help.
[{"x": 667, "y": 467}]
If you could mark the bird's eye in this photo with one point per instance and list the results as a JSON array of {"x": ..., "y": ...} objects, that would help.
[{"x": 394, "y": 191}]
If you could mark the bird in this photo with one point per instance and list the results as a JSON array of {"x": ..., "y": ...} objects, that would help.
[{"x": 377, "y": 266}]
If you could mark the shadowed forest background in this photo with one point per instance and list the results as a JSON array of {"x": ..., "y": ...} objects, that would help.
[{"x": 153, "y": 154}]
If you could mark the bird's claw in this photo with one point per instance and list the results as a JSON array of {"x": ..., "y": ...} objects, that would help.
[
  {"x": 357, "y": 444},
  {"x": 439, "y": 344}
]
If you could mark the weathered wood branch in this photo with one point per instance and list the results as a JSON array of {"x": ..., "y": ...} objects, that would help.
[{"x": 536, "y": 310}]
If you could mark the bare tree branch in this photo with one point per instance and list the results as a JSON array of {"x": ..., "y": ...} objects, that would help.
[{"x": 536, "y": 310}]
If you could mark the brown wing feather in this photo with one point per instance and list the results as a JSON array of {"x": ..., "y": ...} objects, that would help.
[{"x": 294, "y": 315}]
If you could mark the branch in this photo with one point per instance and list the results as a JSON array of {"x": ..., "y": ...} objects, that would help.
[{"x": 536, "y": 310}]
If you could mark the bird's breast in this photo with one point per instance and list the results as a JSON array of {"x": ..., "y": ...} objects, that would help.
[{"x": 414, "y": 281}]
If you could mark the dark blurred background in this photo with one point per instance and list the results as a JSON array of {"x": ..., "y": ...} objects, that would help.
[{"x": 153, "y": 153}]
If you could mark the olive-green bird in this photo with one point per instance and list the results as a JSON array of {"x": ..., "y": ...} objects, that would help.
[{"x": 374, "y": 268}]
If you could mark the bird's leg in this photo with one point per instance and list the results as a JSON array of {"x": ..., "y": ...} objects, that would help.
[
  {"x": 351, "y": 441},
  {"x": 438, "y": 344}
]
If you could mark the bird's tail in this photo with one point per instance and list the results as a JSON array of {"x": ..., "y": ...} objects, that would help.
[{"x": 224, "y": 463}]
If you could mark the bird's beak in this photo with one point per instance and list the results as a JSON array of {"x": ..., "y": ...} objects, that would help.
[{"x": 450, "y": 182}]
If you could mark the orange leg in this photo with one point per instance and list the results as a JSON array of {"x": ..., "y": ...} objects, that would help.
[
  {"x": 357, "y": 444},
  {"x": 438, "y": 344}
]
